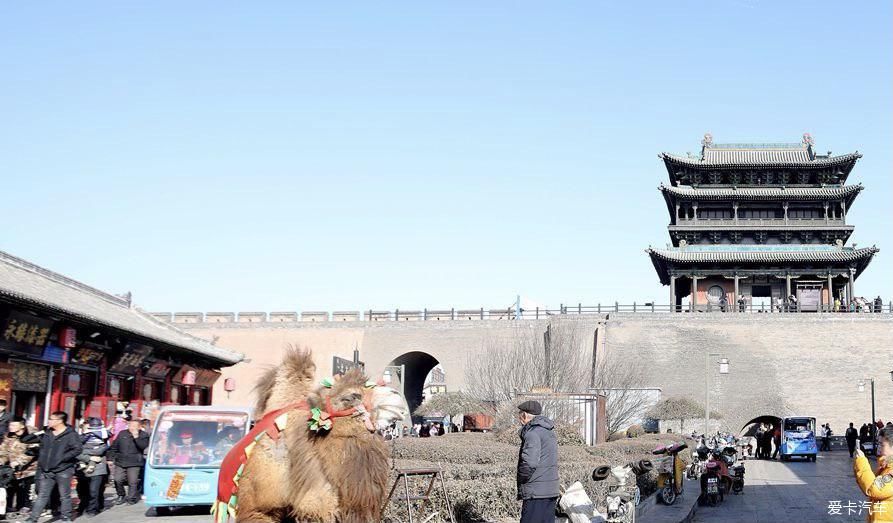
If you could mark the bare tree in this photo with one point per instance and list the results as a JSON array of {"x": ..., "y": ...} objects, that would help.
[
  {"x": 517, "y": 363},
  {"x": 506, "y": 365},
  {"x": 622, "y": 382}
]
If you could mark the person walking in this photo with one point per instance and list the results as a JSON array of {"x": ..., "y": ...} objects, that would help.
[
  {"x": 877, "y": 484},
  {"x": 127, "y": 456},
  {"x": 824, "y": 436},
  {"x": 852, "y": 435},
  {"x": 776, "y": 438},
  {"x": 60, "y": 447},
  {"x": 22, "y": 457},
  {"x": 537, "y": 476},
  {"x": 94, "y": 471}
]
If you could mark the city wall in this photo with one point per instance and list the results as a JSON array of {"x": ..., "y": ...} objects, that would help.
[{"x": 805, "y": 364}]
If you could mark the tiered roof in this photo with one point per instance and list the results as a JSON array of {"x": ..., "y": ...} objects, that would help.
[
  {"x": 749, "y": 156},
  {"x": 743, "y": 255}
]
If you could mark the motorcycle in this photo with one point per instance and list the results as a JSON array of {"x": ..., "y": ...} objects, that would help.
[
  {"x": 670, "y": 469},
  {"x": 737, "y": 473},
  {"x": 710, "y": 484},
  {"x": 623, "y": 496}
]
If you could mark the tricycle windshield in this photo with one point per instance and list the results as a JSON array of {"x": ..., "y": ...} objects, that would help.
[
  {"x": 195, "y": 439},
  {"x": 799, "y": 424}
]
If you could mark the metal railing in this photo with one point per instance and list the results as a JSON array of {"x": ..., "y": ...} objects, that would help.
[
  {"x": 752, "y": 222},
  {"x": 511, "y": 313}
]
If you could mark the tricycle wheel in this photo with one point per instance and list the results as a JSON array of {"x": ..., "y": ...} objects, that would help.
[
  {"x": 163, "y": 511},
  {"x": 668, "y": 495}
]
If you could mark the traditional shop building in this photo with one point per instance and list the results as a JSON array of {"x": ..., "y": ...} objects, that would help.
[
  {"x": 767, "y": 221},
  {"x": 67, "y": 346}
]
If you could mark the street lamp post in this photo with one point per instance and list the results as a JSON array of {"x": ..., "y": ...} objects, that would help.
[
  {"x": 862, "y": 389},
  {"x": 723, "y": 369}
]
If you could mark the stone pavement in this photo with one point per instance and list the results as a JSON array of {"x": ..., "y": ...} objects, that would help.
[{"x": 791, "y": 491}]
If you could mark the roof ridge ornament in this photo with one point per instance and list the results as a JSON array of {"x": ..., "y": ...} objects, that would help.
[
  {"x": 808, "y": 144},
  {"x": 706, "y": 143}
]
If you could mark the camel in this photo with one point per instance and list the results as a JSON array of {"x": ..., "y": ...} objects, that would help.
[{"x": 313, "y": 456}]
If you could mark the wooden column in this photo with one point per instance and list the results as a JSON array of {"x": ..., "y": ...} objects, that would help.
[
  {"x": 852, "y": 285},
  {"x": 787, "y": 281},
  {"x": 694, "y": 292},
  {"x": 695, "y": 207},
  {"x": 826, "y": 212},
  {"x": 735, "y": 300},
  {"x": 785, "y": 206},
  {"x": 843, "y": 211},
  {"x": 830, "y": 293},
  {"x": 672, "y": 293},
  {"x": 735, "y": 211}
]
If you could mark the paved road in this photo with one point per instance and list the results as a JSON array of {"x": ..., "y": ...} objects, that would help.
[
  {"x": 140, "y": 513},
  {"x": 793, "y": 491}
]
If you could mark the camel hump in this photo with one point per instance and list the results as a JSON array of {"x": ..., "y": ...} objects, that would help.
[{"x": 291, "y": 380}]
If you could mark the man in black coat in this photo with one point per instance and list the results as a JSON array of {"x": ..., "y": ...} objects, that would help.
[
  {"x": 537, "y": 465},
  {"x": 851, "y": 436},
  {"x": 60, "y": 447},
  {"x": 127, "y": 455}
]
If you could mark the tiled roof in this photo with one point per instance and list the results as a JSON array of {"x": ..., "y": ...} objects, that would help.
[
  {"x": 757, "y": 158},
  {"x": 684, "y": 192},
  {"x": 692, "y": 256},
  {"x": 23, "y": 281},
  {"x": 756, "y": 255}
]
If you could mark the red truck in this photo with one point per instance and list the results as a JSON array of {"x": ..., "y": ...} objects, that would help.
[{"x": 477, "y": 423}]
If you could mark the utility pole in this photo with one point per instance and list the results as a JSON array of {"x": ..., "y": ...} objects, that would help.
[{"x": 547, "y": 345}]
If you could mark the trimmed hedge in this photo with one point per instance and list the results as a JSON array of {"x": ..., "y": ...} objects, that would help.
[{"x": 480, "y": 471}]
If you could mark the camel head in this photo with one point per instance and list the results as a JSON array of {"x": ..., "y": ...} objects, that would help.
[
  {"x": 388, "y": 406},
  {"x": 353, "y": 396}
]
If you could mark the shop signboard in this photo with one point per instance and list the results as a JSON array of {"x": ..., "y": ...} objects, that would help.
[
  {"x": 158, "y": 370},
  {"x": 203, "y": 377},
  {"x": 87, "y": 356},
  {"x": 133, "y": 356},
  {"x": 29, "y": 377},
  {"x": 25, "y": 333},
  {"x": 341, "y": 365}
]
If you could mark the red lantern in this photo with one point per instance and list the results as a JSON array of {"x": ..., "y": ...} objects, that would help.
[
  {"x": 189, "y": 377},
  {"x": 74, "y": 382},
  {"x": 67, "y": 337},
  {"x": 229, "y": 384}
]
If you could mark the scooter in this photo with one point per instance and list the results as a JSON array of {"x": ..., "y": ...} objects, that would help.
[
  {"x": 737, "y": 473},
  {"x": 711, "y": 489},
  {"x": 670, "y": 470},
  {"x": 623, "y": 496}
]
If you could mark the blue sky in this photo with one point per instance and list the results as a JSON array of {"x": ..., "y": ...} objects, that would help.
[{"x": 287, "y": 156}]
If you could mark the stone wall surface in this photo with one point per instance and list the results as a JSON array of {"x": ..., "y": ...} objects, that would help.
[{"x": 805, "y": 364}]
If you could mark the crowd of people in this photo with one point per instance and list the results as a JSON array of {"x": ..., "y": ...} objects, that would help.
[
  {"x": 791, "y": 304},
  {"x": 37, "y": 466}
]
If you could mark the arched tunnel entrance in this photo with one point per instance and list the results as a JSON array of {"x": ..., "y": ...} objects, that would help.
[{"x": 416, "y": 365}]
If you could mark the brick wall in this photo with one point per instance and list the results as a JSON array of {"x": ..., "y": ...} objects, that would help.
[{"x": 805, "y": 364}]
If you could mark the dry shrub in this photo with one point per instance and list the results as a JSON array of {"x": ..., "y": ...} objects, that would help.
[{"x": 480, "y": 470}]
